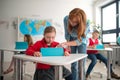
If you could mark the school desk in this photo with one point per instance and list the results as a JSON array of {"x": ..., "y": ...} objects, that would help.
[
  {"x": 116, "y": 55},
  {"x": 57, "y": 61},
  {"x": 2, "y": 50},
  {"x": 109, "y": 54}
]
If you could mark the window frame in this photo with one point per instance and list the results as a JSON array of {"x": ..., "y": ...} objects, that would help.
[{"x": 117, "y": 30}]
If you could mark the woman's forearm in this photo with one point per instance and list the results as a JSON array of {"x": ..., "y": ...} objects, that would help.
[{"x": 70, "y": 43}]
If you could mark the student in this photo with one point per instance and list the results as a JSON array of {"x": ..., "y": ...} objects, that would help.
[
  {"x": 44, "y": 71},
  {"x": 27, "y": 38},
  {"x": 94, "y": 55},
  {"x": 75, "y": 27}
]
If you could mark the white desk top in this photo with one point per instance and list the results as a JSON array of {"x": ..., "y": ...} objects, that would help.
[
  {"x": 60, "y": 60},
  {"x": 106, "y": 49},
  {"x": 115, "y": 46},
  {"x": 12, "y": 50}
]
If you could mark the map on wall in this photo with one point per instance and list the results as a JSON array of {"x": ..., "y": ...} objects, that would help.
[{"x": 33, "y": 27}]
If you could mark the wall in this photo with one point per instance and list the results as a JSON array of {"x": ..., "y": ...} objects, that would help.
[{"x": 48, "y": 9}]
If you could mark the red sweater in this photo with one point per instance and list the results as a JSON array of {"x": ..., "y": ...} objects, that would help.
[
  {"x": 91, "y": 43},
  {"x": 36, "y": 47}
]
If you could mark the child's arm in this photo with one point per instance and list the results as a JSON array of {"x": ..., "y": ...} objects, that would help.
[
  {"x": 37, "y": 54},
  {"x": 32, "y": 49},
  {"x": 66, "y": 53},
  {"x": 88, "y": 45},
  {"x": 93, "y": 47}
]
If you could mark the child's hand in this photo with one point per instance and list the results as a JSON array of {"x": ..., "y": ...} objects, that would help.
[
  {"x": 69, "y": 48},
  {"x": 66, "y": 53},
  {"x": 94, "y": 46},
  {"x": 37, "y": 54},
  {"x": 106, "y": 45}
]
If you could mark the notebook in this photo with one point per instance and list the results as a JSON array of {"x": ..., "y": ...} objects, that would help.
[
  {"x": 52, "y": 51},
  {"x": 21, "y": 45}
]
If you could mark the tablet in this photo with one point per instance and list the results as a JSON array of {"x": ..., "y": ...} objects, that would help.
[
  {"x": 21, "y": 45},
  {"x": 100, "y": 46},
  {"x": 52, "y": 51}
]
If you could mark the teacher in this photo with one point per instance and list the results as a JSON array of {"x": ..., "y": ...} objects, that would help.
[{"x": 75, "y": 27}]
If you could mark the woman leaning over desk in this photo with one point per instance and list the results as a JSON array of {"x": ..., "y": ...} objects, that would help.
[{"x": 75, "y": 34}]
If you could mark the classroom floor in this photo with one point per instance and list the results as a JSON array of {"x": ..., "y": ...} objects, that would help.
[{"x": 30, "y": 67}]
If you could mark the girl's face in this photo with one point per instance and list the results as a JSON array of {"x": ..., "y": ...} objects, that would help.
[
  {"x": 95, "y": 35},
  {"x": 50, "y": 37},
  {"x": 73, "y": 21},
  {"x": 25, "y": 39}
]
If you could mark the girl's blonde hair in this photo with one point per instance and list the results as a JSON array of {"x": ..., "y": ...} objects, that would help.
[{"x": 81, "y": 16}]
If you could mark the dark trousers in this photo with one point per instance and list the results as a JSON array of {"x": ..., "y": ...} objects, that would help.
[
  {"x": 43, "y": 74},
  {"x": 93, "y": 58}
]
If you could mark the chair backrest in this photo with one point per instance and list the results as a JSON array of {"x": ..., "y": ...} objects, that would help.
[
  {"x": 52, "y": 51},
  {"x": 21, "y": 45}
]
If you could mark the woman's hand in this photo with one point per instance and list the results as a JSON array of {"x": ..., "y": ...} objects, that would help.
[
  {"x": 37, "y": 54},
  {"x": 65, "y": 44},
  {"x": 59, "y": 45},
  {"x": 70, "y": 43},
  {"x": 62, "y": 45},
  {"x": 66, "y": 53}
]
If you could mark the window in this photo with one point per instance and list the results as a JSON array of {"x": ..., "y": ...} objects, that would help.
[
  {"x": 119, "y": 14},
  {"x": 109, "y": 17},
  {"x": 107, "y": 38},
  {"x": 110, "y": 21}
]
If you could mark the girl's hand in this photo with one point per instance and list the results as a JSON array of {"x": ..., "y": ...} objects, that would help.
[
  {"x": 37, "y": 54},
  {"x": 66, "y": 53}
]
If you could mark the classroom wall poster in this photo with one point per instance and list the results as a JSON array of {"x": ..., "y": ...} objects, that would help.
[{"x": 32, "y": 26}]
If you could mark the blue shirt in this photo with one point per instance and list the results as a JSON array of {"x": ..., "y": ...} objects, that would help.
[{"x": 73, "y": 33}]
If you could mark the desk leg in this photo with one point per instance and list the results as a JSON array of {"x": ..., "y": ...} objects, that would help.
[
  {"x": 81, "y": 70},
  {"x": 58, "y": 73},
  {"x": 1, "y": 65},
  {"x": 109, "y": 53},
  {"x": 18, "y": 68},
  {"x": 114, "y": 57}
]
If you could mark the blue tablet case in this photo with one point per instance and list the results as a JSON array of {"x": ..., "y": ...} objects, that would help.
[
  {"x": 52, "y": 51},
  {"x": 100, "y": 46},
  {"x": 21, "y": 45}
]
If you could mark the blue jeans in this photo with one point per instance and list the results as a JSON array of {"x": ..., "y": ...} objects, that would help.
[
  {"x": 93, "y": 58},
  {"x": 74, "y": 66}
]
